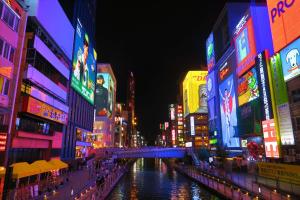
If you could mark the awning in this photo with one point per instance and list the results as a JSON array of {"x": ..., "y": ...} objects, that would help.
[
  {"x": 2, "y": 172},
  {"x": 43, "y": 166},
  {"x": 23, "y": 169},
  {"x": 58, "y": 164}
]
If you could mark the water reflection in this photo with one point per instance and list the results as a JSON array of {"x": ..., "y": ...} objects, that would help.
[{"x": 152, "y": 179}]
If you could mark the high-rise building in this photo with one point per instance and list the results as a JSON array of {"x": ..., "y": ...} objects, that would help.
[
  {"x": 13, "y": 21},
  {"x": 42, "y": 95},
  {"x": 195, "y": 108},
  {"x": 132, "y": 135},
  {"x": 76, "y": 141},
  {"x": 105, "y": 106}
]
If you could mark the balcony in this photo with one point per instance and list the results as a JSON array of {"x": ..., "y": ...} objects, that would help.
[{"x": 41, "y": 80}]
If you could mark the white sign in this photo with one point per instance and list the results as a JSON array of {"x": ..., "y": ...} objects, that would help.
[
  {"x": 285, "y": 124},
  {"x": 192, "y": 125}
]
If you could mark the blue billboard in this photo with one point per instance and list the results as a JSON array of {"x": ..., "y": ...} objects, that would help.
[
  {"x": 228, "y": 113},
  {"x": 211, "y": 84},
  {"x": 290, "y": 58},
  {"x": 242, "y": 45}
]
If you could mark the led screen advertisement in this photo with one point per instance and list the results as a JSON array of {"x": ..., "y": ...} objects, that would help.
[
  {"x": 248, "y": 87},
  {"x": 210, "y": 52},
  {"x": 245, "y": 47},
  {"x": 284, "y": 22},
  {"x": 290, "y": 58},
  {"x": 194, "y": 92},
  {"x": 84, "y": 64},
  {"x": 104, "y": 94},
  {"x": 228, "y": 113},
  {"x": 281, "y": 101}
]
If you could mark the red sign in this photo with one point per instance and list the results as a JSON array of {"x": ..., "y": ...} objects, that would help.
[
  {"x": 245, "y": 47},
  {"x": 3, "y": 137},
  {"x": 284, "y": 21},
  {"x": 43, "y": 110},
  {"x": 271, "y": 145}
]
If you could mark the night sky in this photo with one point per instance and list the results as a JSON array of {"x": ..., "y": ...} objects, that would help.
[{"x": 158, "y": 41}]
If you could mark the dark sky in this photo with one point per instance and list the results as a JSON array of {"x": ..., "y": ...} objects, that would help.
[{"x": 158, "y": 41}]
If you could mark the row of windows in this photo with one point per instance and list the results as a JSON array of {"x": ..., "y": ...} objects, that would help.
[
  {"x": 9, "y": 17},
  {"x": 28, "y": 124},
  {"x": 6, "y": 50}
]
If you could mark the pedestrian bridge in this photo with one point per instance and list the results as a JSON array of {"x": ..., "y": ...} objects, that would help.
[{"x": 146, "y": 152}]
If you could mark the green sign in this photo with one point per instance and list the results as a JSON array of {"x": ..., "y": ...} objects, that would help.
[{"x": 279, "y": 86}]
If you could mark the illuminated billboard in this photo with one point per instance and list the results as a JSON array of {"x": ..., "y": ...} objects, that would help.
[
  {"x": 270, "y": 140},
  {"x": 248, "y": 87},
  {"x": 284, "y": 21},
  {"x": 290, "y": 58},
  {"x": 245, "y": 46},
  {"x": 41, "y": 109},
  {"x": 281, "y": 101},
  {"x": 172, "y": 112},
  {"x": 104, "y": 95},
  {"x": 192, "y": 123},
  {"x": 228, "y": 113},
  {"x": 210, "y": 52},
  {"x": 84, "y": 64},
  {"x": 194, "y": 92}
]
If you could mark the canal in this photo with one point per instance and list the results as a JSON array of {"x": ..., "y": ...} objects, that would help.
[{"x": 152, "y": 179}]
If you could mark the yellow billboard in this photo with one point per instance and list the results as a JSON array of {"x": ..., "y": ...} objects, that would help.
[
  {"x": 282, "y": 172},
  {"x": 194, "y": 92}
]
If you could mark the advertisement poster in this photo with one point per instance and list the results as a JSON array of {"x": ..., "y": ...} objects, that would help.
[
  {"x": 290, "y": 58},
  {"x": 84, "y": 64},
  {"x": 211, "y": 84},
  {"x": 195, "y": 93},
  {"x": 228, "y": 113},
  {"x": 284, "y": 23},
  {"x": 270, "y": 139},
  {"x": 210, "y": 52},
  {"x": 104, "y": 95},
  {"x": 248, "y": 87},
  {"x": 245, "y": 46}
]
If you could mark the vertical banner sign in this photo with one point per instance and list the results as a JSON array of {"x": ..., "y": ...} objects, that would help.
[
  {"x": 271, "y": 145},
  {"x": 261, "y": 67},
  {"x": 192, "y": 122},
  {"x": 210, "y": 52},
  {"x": 281, "y": 101}
]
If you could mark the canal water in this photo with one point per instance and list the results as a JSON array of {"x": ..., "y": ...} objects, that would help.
[{"x": 152, "y": 179}]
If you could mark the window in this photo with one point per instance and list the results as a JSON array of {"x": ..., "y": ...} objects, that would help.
[
  {"x": 12, "y": 54},
  {"x": 17, "y": 22},
  {"x": 6, "y": 50},
  {"x": 4, "y": 85},
  {"x": 296, "y": 95},
  {"x": 6, "y": 15},
  {"x": 1, "y": 8},
  {"x": 1, "y": 46},
  {"x": 9, "y": 17}
]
